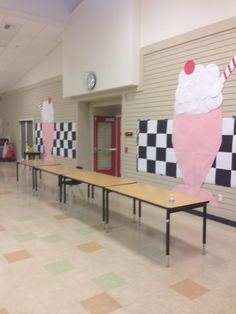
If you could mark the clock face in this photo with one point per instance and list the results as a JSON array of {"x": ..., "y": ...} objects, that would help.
[{"x": 91, "y": 80}]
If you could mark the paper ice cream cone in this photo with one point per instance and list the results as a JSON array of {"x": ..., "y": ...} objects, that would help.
[{"x": 197, "y": 126}]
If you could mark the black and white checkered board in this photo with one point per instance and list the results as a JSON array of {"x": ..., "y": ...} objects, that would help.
[
  {"x": 223, "y": 170},
  {"x": 38, "y": 138},
  {"x": 64, "y": 139},
  {"x": 64, "y": 143},
  {"x": 155, "y": 153},
  {"x": 155, "y": 150}
]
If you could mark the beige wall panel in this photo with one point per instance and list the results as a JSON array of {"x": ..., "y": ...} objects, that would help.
[{"x": 155, "y": 97}]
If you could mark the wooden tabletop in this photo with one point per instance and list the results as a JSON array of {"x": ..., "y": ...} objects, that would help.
[
  {"x": 97, "y": 179},
  {"x": 36, "y": 162},
  {"x": 86, "y": 176},
  {"x": 157, "y": 196},
  {"x": 55, "y": 168}
]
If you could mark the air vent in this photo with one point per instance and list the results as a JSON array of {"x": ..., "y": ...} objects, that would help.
[
  {"x": 7, "y": 26},
  {"x": 7, "y": 32}
]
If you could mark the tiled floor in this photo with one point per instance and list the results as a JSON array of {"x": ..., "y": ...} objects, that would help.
[{"x": 59, "y": 260}]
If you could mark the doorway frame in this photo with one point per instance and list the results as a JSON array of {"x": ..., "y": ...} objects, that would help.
[
  {"x": 103, "y": 107},
  {"x": 30, "y": 119},
  {"x": 115, "y": 143}
]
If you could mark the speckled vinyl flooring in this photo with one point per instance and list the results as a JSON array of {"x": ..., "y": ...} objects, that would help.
[{"x": 58, "y": 259}]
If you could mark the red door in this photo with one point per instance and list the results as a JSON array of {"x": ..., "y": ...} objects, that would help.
[{"x": 107, "y": 145}]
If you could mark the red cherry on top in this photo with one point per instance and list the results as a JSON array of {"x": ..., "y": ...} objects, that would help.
[{"x": 189, "y": 67}]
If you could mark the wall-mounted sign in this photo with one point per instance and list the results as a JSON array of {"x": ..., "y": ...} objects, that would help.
[{"x": 128, "y": 134}]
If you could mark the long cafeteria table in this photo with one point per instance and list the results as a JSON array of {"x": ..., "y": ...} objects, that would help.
[
  {"x": 169, "y": 200},
  {"x": 91, "y": 178},
  {"x": 32, "y": 164}
]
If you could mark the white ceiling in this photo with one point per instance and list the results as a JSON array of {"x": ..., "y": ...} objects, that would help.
[{"x": 29, "y": 31}]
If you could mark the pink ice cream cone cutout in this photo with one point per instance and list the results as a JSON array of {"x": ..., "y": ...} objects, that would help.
[
  {"x": 197, "y": 124},
  {"x": 48, "y": 128}
]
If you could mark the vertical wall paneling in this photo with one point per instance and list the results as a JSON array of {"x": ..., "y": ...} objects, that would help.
[{"x": 154, "y": 99}]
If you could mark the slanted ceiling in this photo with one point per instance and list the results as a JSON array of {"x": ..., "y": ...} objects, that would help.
[
  {"x": 7, "y": 31},
  {"x": 29, "y": 31},
  {"x": 24, "y": 43}
]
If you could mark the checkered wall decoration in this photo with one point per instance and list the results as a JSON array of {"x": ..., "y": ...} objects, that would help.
[
  {"x": 64, "y": 141},
  {"x": 155, "y": 153},
  {"x": 38, "y": 138}
]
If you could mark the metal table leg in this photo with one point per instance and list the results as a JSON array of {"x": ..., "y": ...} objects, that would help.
[
  {"x": 107, "y": 208},
  {"x": 64, "y": 184},
  {"x": 92, "y": 191},
  {"x": 17, "y": 171},
  {"x": 88, "y": 190},
  {"x": 60, "y": 188},
  {"x": 134, "y": 209},
  {"x": 103, "y": 205},
  {"x": 139, "y": 211},
  {"x": 204, "y": 229},
  {"x": 167, "y": 238},
  {"x": 33, "y": 179}
]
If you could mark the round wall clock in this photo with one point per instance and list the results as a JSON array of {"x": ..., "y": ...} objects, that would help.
[{"x": 91, "y": 80}]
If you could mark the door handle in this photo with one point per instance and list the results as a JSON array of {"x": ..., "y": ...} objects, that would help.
[{"x": 112, "y": 149}]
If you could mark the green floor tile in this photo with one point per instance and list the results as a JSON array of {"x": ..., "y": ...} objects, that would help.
[
  {"x": 150, "y": 251},
  {"x": 25, "y": 237},
  {"x": 59, "y": 268},
  {"x": 86, "y": 230},
  {"x": 25, "y": 205},
  {"x": 52, "y": 238},
  {"x": 25, "y": 218},
  {"x": 109, "y": 281}
]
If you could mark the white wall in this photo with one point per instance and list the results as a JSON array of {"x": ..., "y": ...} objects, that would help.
[
  {"x": 164, "y": 19},
  {"x": 50, "y": 67},
  {"x": 103, "y": 37}
]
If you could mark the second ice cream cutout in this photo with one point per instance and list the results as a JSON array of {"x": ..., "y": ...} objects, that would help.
[
  {"x": 47, "y": 112},
  {"x": 197, "y": 124}
]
